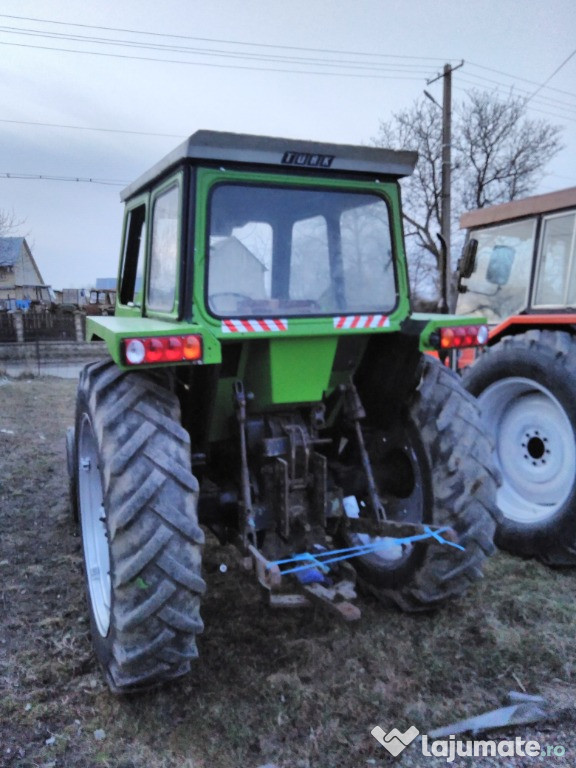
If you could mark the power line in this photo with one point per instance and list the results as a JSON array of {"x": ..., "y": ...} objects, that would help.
[
  {"x": 291, "y": 60},
  {"x": 208, "y": 51},
  {"x": 373, "y": 64},
  {"x": 553, "y": 100},
  {"x": 517, "y": 77},
  {"x": 546, "y": 109},
  {"x": 551, "y": 110},
  {"x": 182, "y": 136},
  {"x": 221, "y": 41},
  {"x": 224, "y": 41},
  {"x": 218, "y": 66},
  {"x": 45, "y": 177},
  {"x": 547, "y": 100},
  {"x": 533, "y": 108},
  {"x": 566, "y": 60},
  {"x": 86, "y": 128},
  {"x": 551, "y": 114},
  {"x": 364, "y": 54}
]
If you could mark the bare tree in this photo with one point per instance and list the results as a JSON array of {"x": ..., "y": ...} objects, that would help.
[
  {"x": 501, "y": 153},
  {"x": 8, "y": 222},
  {"x": 498, "y": 155},
  {"x": 419, "y": 128}
]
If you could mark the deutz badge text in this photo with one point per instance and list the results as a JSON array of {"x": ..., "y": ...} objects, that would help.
[{"x": 307, "y": 158}]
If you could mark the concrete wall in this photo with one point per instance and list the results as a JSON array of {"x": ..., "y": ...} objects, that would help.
[{"x": 49, "y": 358}]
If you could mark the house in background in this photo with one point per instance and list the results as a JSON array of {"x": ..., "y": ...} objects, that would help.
[
  {"x": 21, "y": 283},
  {"x": 106, "y": 283}
]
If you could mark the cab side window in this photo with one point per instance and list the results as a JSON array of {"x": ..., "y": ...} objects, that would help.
[
  {"x": 556, "y": 256},
  {"x": 133, "y": 257},
  {"x": 164, "y": 249}
]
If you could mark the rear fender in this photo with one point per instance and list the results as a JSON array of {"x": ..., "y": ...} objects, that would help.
[{"x": 517, "y": 324}]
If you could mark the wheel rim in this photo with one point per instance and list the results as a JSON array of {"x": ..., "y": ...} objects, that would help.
[
  {"x": 535, "y": 448},
  {"x": 94, "y": 534}
]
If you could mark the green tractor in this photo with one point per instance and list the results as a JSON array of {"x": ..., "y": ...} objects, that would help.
[{"x": 269, "y": 382}]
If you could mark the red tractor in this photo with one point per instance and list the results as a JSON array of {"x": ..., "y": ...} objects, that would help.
[{"x": 518, "y": 269}]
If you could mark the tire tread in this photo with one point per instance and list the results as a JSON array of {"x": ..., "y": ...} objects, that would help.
[{"x": 150, "y": 496}]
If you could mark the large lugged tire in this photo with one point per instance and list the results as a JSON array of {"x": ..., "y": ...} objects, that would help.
[
  {"x": 526, "y": 387},
  {"x": 137, "y": 502},
  {"x": 435, "y": 466}
]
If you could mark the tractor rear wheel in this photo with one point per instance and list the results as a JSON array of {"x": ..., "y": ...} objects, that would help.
[
  {"x": 526, "y": 388},
  {"x": 141, "y": 541},
  {"x": 433, "y": 465}
]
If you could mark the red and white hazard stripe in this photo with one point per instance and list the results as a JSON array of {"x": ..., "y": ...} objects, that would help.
[
  {"x": 361, "y": 321},
  {"x": 254, "y": 325}
]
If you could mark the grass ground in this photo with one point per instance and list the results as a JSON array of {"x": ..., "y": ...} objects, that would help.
[{"x": 296, "y": 689}]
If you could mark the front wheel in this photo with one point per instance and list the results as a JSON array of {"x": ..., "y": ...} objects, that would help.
[
  {"x": 526, "y": 388},
  {"x": 140, "y": 536},
  {"x": 432, "y": 465}
]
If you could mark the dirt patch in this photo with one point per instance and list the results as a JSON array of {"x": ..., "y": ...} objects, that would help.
[{"x": 295, "y": 689}]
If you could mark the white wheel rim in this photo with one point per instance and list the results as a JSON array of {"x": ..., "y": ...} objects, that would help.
[
  {"x": 535, "y": 448},
  {"x": 94, "y": 535}
]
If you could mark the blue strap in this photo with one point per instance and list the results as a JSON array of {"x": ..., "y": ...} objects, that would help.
[{"x": 322, "y": 559}]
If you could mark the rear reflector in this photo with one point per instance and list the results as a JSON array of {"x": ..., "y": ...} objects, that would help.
[
  {"x": 459, "y": 337},
  {"x": 162, "y": 349}
]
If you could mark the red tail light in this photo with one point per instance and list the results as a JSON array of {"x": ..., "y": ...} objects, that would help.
[
  {"x": 459, "y": 337},
  {"x": 162, "y": 349}
]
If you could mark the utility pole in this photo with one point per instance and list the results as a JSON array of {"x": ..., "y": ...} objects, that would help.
[{"x": 445, "y": 201}]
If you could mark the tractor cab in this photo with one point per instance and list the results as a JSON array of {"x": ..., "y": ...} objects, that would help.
[{"x": 525, "y": 258}]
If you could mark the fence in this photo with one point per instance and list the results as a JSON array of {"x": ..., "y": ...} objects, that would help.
[
  {"x": 7, "y": 328},
  {"x": 41, "y": 326},
  {"x": 45, "y": 343}
]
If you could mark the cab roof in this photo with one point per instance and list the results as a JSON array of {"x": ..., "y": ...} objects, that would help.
[
  {"x": 221, "y": 147},
  {"x": 518, "y": 209}
]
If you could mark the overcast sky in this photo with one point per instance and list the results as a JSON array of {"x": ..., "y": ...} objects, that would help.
[{"x": 317, "y": 69}]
